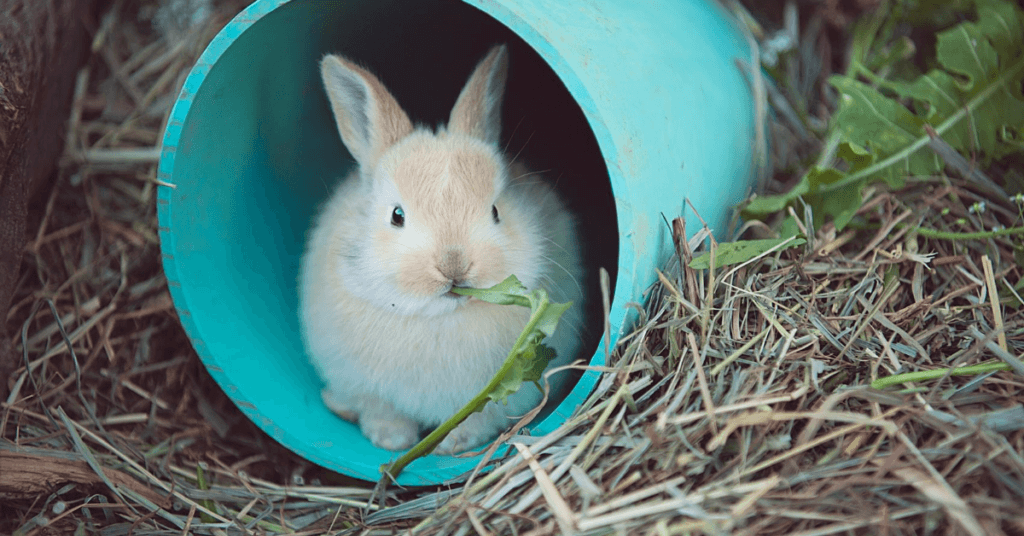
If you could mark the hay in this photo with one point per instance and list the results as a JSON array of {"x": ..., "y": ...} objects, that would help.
[{"x": 740, "y": 403}]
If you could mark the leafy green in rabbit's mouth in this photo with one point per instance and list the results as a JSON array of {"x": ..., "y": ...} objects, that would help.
[{"x": 452, "y": 294}]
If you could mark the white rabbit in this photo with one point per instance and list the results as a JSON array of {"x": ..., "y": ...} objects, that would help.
[{"x": 426, "y": 211}]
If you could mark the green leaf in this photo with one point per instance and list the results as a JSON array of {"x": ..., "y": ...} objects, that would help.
[
  {"x": 972, "y": 98},
  {"x": 543, "y": 354},
  {"x": 842, "y": 204},
  {"x": 548, "y": 319},
  {"x": 937, "y": 90},
  {"x": 858, "y": 157},
  {"x": 207, "y": 503},
  {"x": 511, "y": 381},
  {"x": 873, "y": 121},
  {"x": 789, "y": 227},
  {"x": 924, "y": 375},
  {"x": 742, "y": 251},
  {"x": 528, "y": 367},
  {"x": 964, "y": 50},
  {"x": 770, "y": 204},
  {"x": 526, "y": 360},
  {"x": 975, "y": 53},
  {"x": 999, "y": 21},
  {"x": 509, "y": 292}
]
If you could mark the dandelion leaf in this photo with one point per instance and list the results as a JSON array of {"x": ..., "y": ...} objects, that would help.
[
  {"x": 742, "y": 251},
  {"x": 972, "y": 98},
  {"x": 877, "y": 123},
  {"x": 543, "y": 354},
  {"x": 512, "y": 380},
  {"x": 509, "y": 292},
  {"x": 548, "y": 320},
  {"x": 770, "y": 204},
  {"x": 529, "y": 362},
  {"x": 529, "y": 366}
]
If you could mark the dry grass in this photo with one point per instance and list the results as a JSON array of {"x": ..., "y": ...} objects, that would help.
[{"x": 740, "y": 404}]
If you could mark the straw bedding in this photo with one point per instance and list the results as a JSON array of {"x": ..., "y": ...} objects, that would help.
[{"x": 740, "y": 404}]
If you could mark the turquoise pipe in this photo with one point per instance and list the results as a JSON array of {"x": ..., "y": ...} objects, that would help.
[{"x": 632, "y": 106}]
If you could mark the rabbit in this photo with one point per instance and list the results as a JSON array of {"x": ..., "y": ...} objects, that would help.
[{"x": 426, "y": 211}]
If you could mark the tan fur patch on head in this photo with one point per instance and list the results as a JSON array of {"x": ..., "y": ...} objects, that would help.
[
  {"x": 446, "y": 183},
  {"x": 472, "y": 174}
]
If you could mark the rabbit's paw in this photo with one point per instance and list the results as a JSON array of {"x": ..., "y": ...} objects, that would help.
[
  {"x": 476, "y": 430},
  {"x": 340, "y": 405},
  {"x": 389, "y": 430}
]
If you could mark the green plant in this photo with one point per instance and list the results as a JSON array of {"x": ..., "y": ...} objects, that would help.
[
  {"x": 526, "y": 360},
  {"x": 925, "y": 375},
  {"x": 970, "y": 96},
  {"x": 742, "y": 251}
]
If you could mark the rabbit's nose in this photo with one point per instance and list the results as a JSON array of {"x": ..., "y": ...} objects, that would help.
[{"x": 453, "y": 266}]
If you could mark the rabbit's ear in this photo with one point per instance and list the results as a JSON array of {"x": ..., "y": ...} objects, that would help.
[
  {"x": 368, "y": 116},
  {"x": 477, "y": 112}
]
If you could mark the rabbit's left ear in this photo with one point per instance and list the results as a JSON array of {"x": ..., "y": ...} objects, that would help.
[
  {"x": 368, "y": 117},
  {"x": 477, "y": 112}
]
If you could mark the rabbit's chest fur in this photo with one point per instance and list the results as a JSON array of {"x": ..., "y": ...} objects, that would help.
[{"x": 428, "y": 367}]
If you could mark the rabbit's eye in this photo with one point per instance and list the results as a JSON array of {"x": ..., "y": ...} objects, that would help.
[
  {"x": 494, "y": 213},
  {"x": 398, "y": 217}
]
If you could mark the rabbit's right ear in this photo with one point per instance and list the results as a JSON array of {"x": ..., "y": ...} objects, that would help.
[
  {"x": 477, "y": 111},
  {"x": 369, "y": 118}
]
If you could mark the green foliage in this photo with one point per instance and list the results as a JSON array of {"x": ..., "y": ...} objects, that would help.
[
  {"x": 742, "y": 251},
  {"x": 970, "y": 96},
  {"x": 925, "y": 375},
  {"x": 526, "y": 360},
  {"x": 202, "y": 483}
]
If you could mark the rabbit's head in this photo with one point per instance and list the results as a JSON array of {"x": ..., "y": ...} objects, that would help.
[{"x": 437, "y": 209}]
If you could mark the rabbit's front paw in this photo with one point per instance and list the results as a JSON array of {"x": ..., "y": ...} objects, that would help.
[
  {"x": 339, "y": 405},
  {"x": 389, "y": 429},
  {"x": 476, "y": 430}
]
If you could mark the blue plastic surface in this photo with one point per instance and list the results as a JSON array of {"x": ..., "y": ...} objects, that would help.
[{"x": 251, "y": 150}]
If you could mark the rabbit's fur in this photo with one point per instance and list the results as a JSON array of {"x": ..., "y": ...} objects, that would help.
[{"x": 426, "y": 211}]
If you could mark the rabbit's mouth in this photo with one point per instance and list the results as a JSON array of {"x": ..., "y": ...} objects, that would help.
[{"x": 454, "y": 295}]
